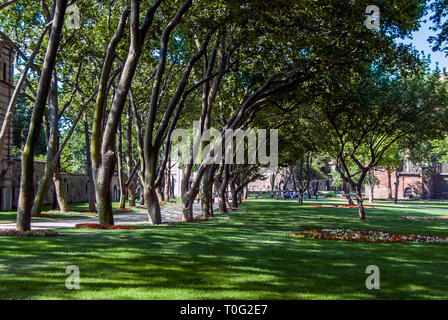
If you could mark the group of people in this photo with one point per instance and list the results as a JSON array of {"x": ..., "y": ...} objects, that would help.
[{"x": 293, "y": 195}]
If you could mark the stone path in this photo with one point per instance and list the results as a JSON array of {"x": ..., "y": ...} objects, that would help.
[{"x": 169, "y": 213}]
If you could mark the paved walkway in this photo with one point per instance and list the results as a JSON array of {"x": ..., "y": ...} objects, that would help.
[
  {"x": 405, "y": 206},
  {"x": 169, "y": 213}
]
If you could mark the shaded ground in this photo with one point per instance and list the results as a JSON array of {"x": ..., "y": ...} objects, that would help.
[
  {"x": 247, "y": 257},
  {"x": 136, "y": 216},
  {"x": 77, "y": 211}
]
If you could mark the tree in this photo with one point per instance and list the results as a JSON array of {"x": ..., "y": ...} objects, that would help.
[
  {"x": 26, "y": 183},
  {"x": 374, "y": 113}
]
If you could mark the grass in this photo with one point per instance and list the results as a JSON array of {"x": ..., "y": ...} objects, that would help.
[{"x": 246, "y": 257}]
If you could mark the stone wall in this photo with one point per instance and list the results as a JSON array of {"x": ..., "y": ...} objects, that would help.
[{"x": 76, "y": 185}]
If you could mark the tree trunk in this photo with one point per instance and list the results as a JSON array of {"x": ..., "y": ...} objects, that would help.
[
  {"x": 187, "y": 210},
  {"x": 397, "y": 183},
  {"x": 131, "y": 192},
  {"x": 103, "y": 138},
  {"x": 26, "y": 183},
  {"x": 121, "y": 175},
  {"x": 207, "y": 192},
  {"x": 359, "y": 200},
  {"x": 371, "y": 180},
  {"x": 104, "y": 197},
  {"x": 167, "y": 186},
  {"x": 159, "y": 194},
  {"x": 60, "y": 190},
  {"x": 91, "y": 189},
  {"x": 153, "y": 206},
  {"x": 142, "y": 197},
  {"x": 347, "y": 193},
  {"x": 300, "y": 197},
  {"x": 234, "y": 196},
  {"x": 389, "y": 186}
]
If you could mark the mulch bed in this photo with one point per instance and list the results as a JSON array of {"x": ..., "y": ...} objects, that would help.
[
  {"x": 194, "y": 220},
  {"x": 365, "y": 236},
  {"x": 103, "y": 226},
  {"x": 337, "y": 206}
]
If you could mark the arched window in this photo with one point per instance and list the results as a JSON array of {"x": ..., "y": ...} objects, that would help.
[{"x": 408, "y": 193}]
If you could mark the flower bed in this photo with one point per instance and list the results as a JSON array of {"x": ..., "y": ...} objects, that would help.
[
  {"x": 365, "y": 236},
  {"x": 31, "y": 233},
  {"x": 337, "y": 206},
  {"x": 425, "y": 218},
  {"x": 102, "y": 226}
]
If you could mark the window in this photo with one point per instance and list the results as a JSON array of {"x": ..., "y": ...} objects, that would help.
[
  {"x": 5, "y": 78},
  {"x": 2, "y": 71},
  {"x": 409, "y": 167},
  {"x": 408, "y": 193},
  {"x": 444, "y": 168}
]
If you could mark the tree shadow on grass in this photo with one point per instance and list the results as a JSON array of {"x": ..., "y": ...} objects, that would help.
[{"x": 248, "y": 256}]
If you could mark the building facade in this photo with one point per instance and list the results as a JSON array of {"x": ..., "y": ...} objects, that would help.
[
  {"x": 412, "y": 183},
  {"x": 6, "y": 89}
]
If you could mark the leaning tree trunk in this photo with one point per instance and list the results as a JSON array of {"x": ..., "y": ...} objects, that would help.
[
  {"x": 103, "y": 141},
  {"x": 91, "y": 190},
  {"x": 359, "y": 201},
  {"x": 44, "y": 186},
  {"x": 26, "y": 183},
  {"x": 121, "y": 175},
  {"x": 346, "y": 192},
  {"x": 131, "y": 191}
]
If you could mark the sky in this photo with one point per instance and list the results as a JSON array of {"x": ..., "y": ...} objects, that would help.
[{"x": 420, "y": 42}]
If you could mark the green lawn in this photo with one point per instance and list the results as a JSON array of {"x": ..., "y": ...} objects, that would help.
[{"x": 247, "y": 257}]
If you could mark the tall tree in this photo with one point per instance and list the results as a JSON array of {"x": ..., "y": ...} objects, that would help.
[{"x": 26, "y": 183}]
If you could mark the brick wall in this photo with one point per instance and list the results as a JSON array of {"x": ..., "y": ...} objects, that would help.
[{"x": 409, "y": 184}]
